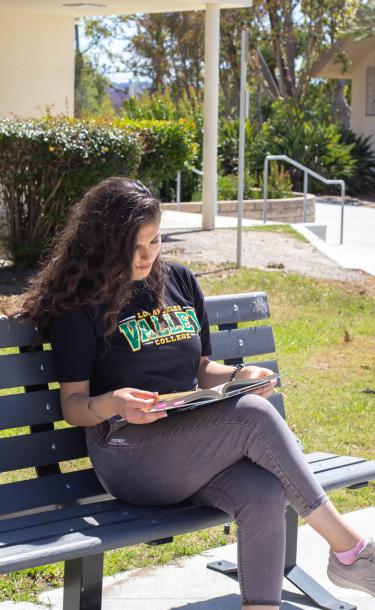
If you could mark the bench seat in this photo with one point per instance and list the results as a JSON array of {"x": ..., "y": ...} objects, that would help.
[
  {"x": 96, "y": 526},
  {"x": 68, "y": 516}
]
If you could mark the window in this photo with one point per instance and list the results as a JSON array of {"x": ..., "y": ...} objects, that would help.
[{"x": 370, "y": 91}]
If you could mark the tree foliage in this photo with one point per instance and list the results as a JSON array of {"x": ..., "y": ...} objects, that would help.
[{"x": 287, "y": 37}]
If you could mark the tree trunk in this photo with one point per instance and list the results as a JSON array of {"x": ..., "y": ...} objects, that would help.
[{"x": 340, "y": 107}]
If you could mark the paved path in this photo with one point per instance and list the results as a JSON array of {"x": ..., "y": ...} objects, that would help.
[
  {"x": 358, "y": 248},
  {"x": 356, "y": 252}
]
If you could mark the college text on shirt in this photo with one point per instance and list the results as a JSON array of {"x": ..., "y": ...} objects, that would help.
[{"x": 173, "y": 323}]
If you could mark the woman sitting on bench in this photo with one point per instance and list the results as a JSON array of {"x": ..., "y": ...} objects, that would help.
[{"x": 126, "y": 326}]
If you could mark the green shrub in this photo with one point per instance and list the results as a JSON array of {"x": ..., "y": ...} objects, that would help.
[
  {"x": 228, "y": 144},
  {"x": 317, "y": 145},
  {"x": 167, "y": 147},
  {"x": 362, "y": 182},
  {"x": 279, "y": 182},
  {"x": 46, "y": 165},
  {"x": 161, "y": 106},
  {"x": 279, "y": 186},
  {"x": 227, "y": 187}
]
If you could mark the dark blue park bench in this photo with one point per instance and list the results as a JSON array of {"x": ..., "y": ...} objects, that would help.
[{"x": 68, "y": 516}]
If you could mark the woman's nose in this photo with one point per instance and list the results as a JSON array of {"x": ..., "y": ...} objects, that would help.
[{"x": 145, "y": 254}]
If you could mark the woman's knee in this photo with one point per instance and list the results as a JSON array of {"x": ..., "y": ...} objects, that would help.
[{"x": 257, "y": 408}]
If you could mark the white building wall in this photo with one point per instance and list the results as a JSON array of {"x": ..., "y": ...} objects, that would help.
[
  {"x": 360, "y": 123},
  {"x": 36, "y": 64}
]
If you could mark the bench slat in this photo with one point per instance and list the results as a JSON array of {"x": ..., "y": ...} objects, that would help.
[
  {"x": 86, "y": 510},
  {"x": 278, "y": 403},
  {"x": 338, "y": 461},
  {"x": 29, "y": 408},
  {"x": 361, "y": 472},
  {"x": 110, "y": 537},
  {"x": 49, "y": 491},
  {"x": 41, "y": 448},
  {"x": 34, "y": 368},
  {"x": 37, "y": 527},
  {"x": 242, "y": 342},
  {"x": 28, "y": 369},
  {"x": 43, "y": 407},
  {"x": 60, "y": 523},
  {"x": 318, "y": 456},
  {"x": 237, "y": 308},
  {"x": 249, "y": 306},
  {"x": 14, "y": 333}
]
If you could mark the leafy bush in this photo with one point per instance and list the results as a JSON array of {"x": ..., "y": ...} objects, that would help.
[
  {"x": 279, "y": 182},
  {"x": 228, "y": 144},
  {"x": 167, "y": 147},
  {"x": 314, "y": 144},
  {"x": 47, "y": 164},
  {"x": 161, "y": 106},
  {"x": 279, "y": 186},
  {"x": 227, "y": 188},
  {"x": 362, "y": 182}
]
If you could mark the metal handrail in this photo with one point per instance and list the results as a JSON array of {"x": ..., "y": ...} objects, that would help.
[
  {"x": 306, "y": 173},
  {"x": 178, "y": 183}
]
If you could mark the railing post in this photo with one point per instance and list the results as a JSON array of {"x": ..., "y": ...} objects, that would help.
[
  {"x": 178, "y": 189},
  {"x": 265, "y": 189},
  {"x": 342, "y": 212},
  {"x": 241, "y": 142},
  {"x": 305, "y": 187}
]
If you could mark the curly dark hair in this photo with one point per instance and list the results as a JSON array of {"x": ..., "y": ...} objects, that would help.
[{"x": 90, "y": 261}]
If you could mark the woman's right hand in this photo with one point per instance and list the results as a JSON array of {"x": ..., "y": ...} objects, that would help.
[{"x": 133, "y": 405}]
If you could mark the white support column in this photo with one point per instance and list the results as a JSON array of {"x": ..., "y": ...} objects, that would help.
[{"x": 211, "y": 107}]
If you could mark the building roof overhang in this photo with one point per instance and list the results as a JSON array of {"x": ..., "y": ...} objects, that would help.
[
  {"x": 330, "y": 65},
  {"x": 77, "y": 9}
]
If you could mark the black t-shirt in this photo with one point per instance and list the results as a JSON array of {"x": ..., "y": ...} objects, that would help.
[{"x": 159, "y": 353}]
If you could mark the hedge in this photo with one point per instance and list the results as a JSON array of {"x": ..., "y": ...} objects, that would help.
[
  {"x": 167, "y": 146},
  {"x": 47, "y": 164}
]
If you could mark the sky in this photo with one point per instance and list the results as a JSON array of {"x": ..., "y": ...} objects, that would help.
[{"x": 117, "y": 46}]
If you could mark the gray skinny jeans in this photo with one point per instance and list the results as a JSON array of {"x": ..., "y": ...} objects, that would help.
[{"x": 237, "y": 455}]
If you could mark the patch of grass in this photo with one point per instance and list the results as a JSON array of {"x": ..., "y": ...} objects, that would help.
[
  {"x": 325, "y": 345},
  {"x": 325, "y": 341},
  {"x": 282, "y": 229}
]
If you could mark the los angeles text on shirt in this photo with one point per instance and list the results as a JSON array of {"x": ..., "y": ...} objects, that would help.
[{"x": 174, "y": 323}]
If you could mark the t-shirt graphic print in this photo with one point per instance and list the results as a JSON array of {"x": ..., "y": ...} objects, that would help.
[{"x": 160, "y": 327}]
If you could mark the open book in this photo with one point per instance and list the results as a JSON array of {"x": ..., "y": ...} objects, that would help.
[{"x": 183, "y": 401}]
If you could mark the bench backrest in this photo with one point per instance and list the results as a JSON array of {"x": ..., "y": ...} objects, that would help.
[{"x": 29, "y": 398}]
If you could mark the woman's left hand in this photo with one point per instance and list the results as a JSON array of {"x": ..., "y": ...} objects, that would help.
[{"x": 258, "y": 372}]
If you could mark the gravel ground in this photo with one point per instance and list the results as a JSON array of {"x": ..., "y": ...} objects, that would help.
[
  {"x": 270, "y": 251},
  {"x": 259, "y": 249}
]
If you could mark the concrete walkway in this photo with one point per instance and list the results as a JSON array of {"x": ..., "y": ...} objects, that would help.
[
  {"x": 358, "y": 248},
  {"x": 356, "y": 252},
  {"x": 188, "y": 584}
]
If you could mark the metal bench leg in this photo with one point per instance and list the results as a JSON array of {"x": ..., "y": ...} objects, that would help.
[
  {"x": 299, "y": 578},
  {"x": 83, "y": 579}
]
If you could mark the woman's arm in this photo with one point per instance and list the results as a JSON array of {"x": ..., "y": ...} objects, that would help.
[
  {"x": 212, "y": 373},
  {"x": 81, "y": 409}
]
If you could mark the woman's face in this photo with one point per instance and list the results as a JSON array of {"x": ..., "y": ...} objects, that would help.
[{"x": 147, "y": 249}]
